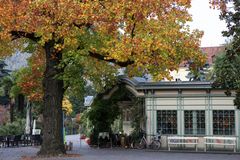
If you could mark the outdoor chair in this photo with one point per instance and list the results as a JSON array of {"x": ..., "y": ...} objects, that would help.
[
  {"x": 18, "y": 140},
  {"x": 36, "y": 139},
  {"x": 11, "y": 140},
  {"x": 116, "y": 140},
  {"x": 27, "y": 140},
  {"x": 22, "y": 139},
  {"x": 3, "y": 141},
  {"x": 104, "y": 140}
]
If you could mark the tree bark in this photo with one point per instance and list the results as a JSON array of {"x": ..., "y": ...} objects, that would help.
[
  {"x": 12, "y": 110},
  {"x": 52, "y": 104},
  {"x": 20, "y": 100}
]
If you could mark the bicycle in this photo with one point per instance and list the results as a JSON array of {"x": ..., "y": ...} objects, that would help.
[{"x": 154, "y": 144}]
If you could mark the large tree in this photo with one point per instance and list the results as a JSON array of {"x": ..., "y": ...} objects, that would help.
[{"x": 145, "y": 35}]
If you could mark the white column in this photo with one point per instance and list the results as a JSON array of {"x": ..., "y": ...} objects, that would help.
[
  {"x": 180, "y": 114},
  {"x": 179, "y": 121},
  {"x": 208, "y": 116},
  {"x": 34, "y": 127},
  {"x": 194, "y": 122},
  {"x": 28, "y": 125},
  {"x": 207, "y": 125},
  {"x": 154, "y": 112},
  {"x": 237, "y": 127},
  {"x": 182, "y": 122},
  {"x": 149, "y": 117}
]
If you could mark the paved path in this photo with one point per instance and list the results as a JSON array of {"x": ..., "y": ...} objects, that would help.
[{"x": 87, "y": 153}]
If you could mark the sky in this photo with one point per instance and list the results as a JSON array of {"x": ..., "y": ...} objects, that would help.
[{"x": 207, "y": 20}]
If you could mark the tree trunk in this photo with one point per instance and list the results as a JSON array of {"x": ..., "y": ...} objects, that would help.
[
  {"x": 20, "y": 100},
  {"x": 12, "y": 110},
  {"x": 52, "y": 104}
]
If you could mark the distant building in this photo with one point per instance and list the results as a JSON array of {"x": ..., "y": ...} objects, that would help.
[{"x": 211, "y": 53}]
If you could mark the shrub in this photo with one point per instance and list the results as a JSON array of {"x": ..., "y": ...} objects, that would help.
[{"x": 15, "y": 128}]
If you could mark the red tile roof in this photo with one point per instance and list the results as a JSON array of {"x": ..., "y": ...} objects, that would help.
[{"x": 211, "y": 52}]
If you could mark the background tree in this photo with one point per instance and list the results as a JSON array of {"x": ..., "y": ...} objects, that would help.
[
  {"x": 145, "y": 35},
  {"x": 67, "y": 106},
  {"x": 104, "y": 112},
  {"x": 197, "y": 73},
  {"x": 227, "y": 75},
  {"x": 85, "y": 76},
  {"x": 5, "y": 85},
  {"x": 9, "y": 96},
  {"x": 3, "y": 72}
]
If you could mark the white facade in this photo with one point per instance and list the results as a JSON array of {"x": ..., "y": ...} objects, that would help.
[
  {"x": 187, "y": 109},
  {"x": 195, "y": 100},
  {"x": 181, "y": 74}
]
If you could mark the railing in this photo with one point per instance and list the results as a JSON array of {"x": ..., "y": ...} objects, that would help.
[{"x": 20, "y": 140}]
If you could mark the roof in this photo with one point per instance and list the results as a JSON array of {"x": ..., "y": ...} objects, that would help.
[
  {"x": 211, "y": 52},
  {"x": 140, "y": 85}
]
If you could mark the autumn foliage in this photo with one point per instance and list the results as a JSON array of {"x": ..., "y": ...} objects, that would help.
[
  {"x": 220, "y": 4},
  {"x": 150, "y": 33},
  {"x": 30, "y": 80},
  {"x": 67, "y": 106}
]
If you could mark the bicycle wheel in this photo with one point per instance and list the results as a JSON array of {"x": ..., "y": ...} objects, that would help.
[
  {"x": 141, "y": 145},
  {"x": 155, "y": 145}
]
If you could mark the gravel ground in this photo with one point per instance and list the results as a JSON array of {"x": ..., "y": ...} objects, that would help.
[{"x": 83, "y": 152}]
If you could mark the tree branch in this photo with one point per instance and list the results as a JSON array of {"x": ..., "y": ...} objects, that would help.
[
  {"x": 102, "y": 4},
  {"x": 88, "y": 25},
  {"x": 21, "y": 34},
  {"x": 101, "y": 57},
  {"x": 134, "y": 26}
]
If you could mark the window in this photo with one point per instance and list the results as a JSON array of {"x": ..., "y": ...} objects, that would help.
[
  {"x": 194, "y": 122},
  {"x": 167, "y": 121},
  {"x": 223, "y": 122}
]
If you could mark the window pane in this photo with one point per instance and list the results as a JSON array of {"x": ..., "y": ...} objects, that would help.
[
  {"x": 167, "y": 121},
  {"x": 194, "y": 122},
  {"x": 223, "y": 122}
]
